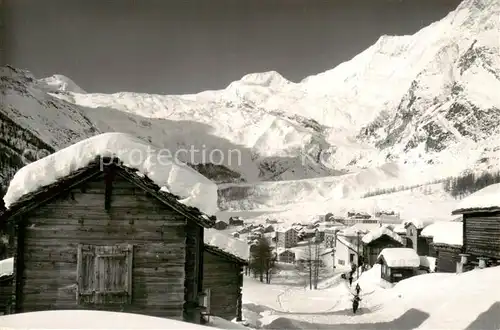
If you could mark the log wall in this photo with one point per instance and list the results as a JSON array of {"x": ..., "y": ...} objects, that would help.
[
  {"x": 481, "y": 234},
  {"x": 223, "y": 278},
  {"x": 53, "y": 232}
]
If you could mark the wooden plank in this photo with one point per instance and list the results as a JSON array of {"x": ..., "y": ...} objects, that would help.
[
  {"x": 122, "y": 221},
  {"x": 103, "y": 236},
  {"x": 130, "y": 270}
]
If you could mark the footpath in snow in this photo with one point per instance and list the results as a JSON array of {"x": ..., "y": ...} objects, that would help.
[{"x": 432, "y": 301}]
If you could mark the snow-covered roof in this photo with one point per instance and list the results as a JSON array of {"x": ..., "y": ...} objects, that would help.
[
  {"x": 158, "y": 165},
  {"x": 379, "y": 232},
  {"x": 280, "y": 250},
  {"x": 400, "y": 257},
  {"x": 226, "y": 244},
  {"x": 399, "y": 229},
  {"x": 344, "y": 241},
  {"x": 484, "y": 199},
  {"x": 362, "y": 228},
  {"x": 284, "y": 229},
  {"x": 445, "y": 232},
  {"x": 6, "y": 267},
  {"x": 429, "y": 262},
  {"x": 419, "y": 224}
]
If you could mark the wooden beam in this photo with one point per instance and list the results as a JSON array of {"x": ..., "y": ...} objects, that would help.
[{"x": 109, "y": 173}]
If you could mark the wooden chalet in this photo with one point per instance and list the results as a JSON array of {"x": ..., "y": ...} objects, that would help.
[
  {"x": 236, "y": 221},
  {"x": 481, "y": 227},
  {"x": 446, "y": 246},
  {"x": 447, "y": 257},
  {"x": 223, "y": 282},
  {"x": 105, "y": 237},
  {"x": 285, "y": 255},
  {"x": 414, "y": 239},
  {"x": 376, "y": 241},
  {"x": 221, "y": 225},
  {"x": 398, "y": 264}
]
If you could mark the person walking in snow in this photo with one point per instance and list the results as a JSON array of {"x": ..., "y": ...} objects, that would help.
[
  {"x": 358, "y": 289},
  {"x": 350, "y": 279},
  {"x": 355, "y": 304}
]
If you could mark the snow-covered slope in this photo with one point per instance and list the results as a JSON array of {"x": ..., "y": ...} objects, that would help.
[
  {"x": 400, "y": 113},
  {"x": 431, "y": 301}
]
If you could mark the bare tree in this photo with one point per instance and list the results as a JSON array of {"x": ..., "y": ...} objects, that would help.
[
  {"x": 262, "y": 260},
  {"x": 312, "y": 263}
]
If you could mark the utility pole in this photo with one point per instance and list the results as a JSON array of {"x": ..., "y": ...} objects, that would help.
[
  {"x": 357, "y": 266},
  {"x": 334, "y": 247}
]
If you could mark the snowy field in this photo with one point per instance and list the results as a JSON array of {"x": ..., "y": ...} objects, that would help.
[{"x": 432, "y": 301}]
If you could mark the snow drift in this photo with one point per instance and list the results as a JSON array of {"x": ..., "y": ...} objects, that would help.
[{"x": 88, "y": 319}]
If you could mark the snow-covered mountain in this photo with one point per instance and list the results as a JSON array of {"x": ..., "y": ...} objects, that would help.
[{"x": 404, "y": 111}]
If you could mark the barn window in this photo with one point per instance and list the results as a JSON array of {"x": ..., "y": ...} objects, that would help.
[{"x": 104, "y": 274}]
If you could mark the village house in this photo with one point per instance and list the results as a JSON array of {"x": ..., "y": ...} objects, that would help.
[
  {"x": 328, "y": 258},
  {"x": 319, "y": 236},
  {"x": 398, "y": 264},
  {"x": 330, "y": 235},
  {"x": 285, "y": 255},
  {"x": 94, "y": 233},
  {"x": 480, "y": 228},
  {"x": 220, "y": 225},
  {"x": 348, "y": 244},
  {"x": 268, "y": 229},
  {"x": 414, "y": 239},
  {"x": 388, "y": 217},
  {"x": 354, "y": 218},
  {"x": 224, "y": 260},
  {"x": 236, "y": 221},
  {"x": 346, "y": 251},
  {"x": 286, "y": 238},
  {"x": 446, "y": 246},
  {"x": 377, "y": 240},
  {"x": 271, "y": 221}
]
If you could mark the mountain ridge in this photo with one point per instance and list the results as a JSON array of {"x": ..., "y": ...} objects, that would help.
[{"x": 406, "y": 106}]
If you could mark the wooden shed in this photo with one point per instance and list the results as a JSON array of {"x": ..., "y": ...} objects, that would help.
[
  {"x": 223, "y": 282},
  {"x": 107, "y": 237},
  {"x": 447, "y": 257},
  {"x": 377, "y": 240},
  {"x": 220, "y": 225},
  {"x": 398, "y": 264},
  {"x": 481, "y": 226},
  {"x": 446, "y": 246},
  {"x": 285, "y": 255}
]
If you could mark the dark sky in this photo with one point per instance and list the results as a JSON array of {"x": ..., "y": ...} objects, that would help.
[{"x": 186, "y": 46}]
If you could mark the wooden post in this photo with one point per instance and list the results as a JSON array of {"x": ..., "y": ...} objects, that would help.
[
  {"x": 239, "y": 316},
  {"x": 357, "y": 261},
  {"x": 334, "y": 247},
  {"x": 482, "y": 262}
]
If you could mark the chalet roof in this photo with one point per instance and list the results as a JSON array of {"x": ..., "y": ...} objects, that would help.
[
  {"x": 445, "y": 233},
  {"x": 282, "y": 250},
  {"x": 377, "y": 233},
  {"x": 484, "y": 200},
  {"x": 347, "y": 244},
  {"x": 46, "y": 193},
  {"x": 231, "y": 257},
  {"x": 400, "y": 257},
  {"x": 165, "y": 170}
]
